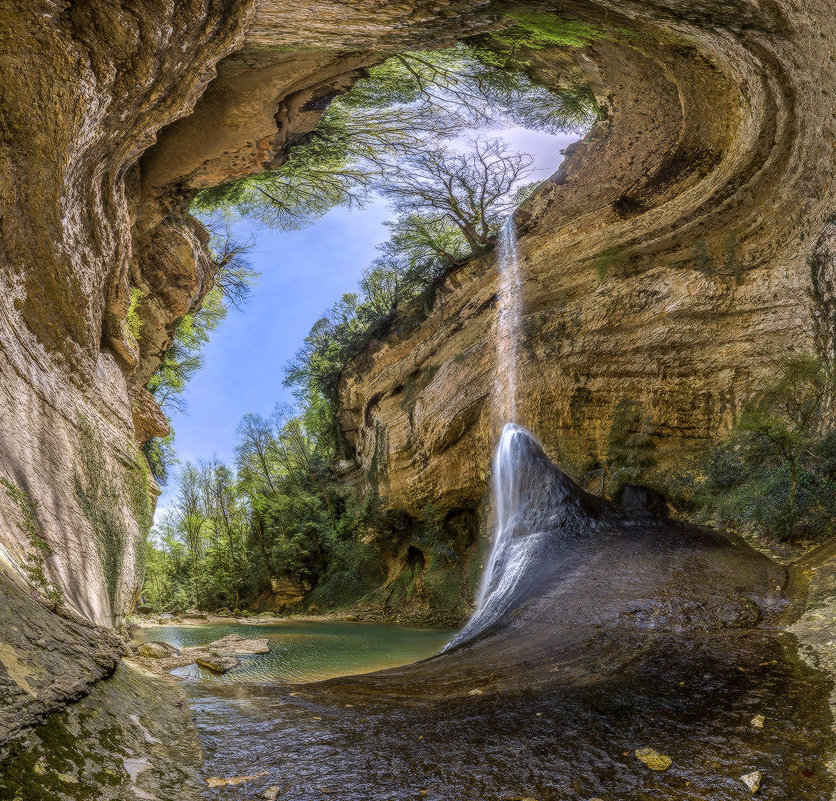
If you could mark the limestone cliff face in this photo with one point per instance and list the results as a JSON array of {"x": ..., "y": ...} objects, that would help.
[
  {"x": 681, "y": 243},
  {"x": 86, "y": 87},
  {"x": 113, "y": 115}
]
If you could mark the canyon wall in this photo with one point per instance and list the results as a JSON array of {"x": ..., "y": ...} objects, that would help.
[{"x": 113, "y": 116}]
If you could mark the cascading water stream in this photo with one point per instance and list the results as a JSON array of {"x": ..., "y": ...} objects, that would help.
[
  {"x": 510, "y": 552},
  {"x": 505, "y": 563},
  {"x": 515, "y": 540},
  {"x": 508, "y": 323}
]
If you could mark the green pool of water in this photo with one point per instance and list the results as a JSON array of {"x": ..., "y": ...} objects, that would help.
[{"x": 302, "y": 651}]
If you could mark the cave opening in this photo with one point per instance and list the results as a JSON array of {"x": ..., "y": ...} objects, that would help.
[
  {"x": 403, "y": 184},
  {"x": 673, "y": 359}
]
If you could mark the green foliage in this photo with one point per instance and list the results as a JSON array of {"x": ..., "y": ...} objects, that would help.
[
  {"x": 283, "y": 515},
  {"x": 630, "y": 444},
  {"x": 159, "y": 453},
  {"x": 726, "y": 263},
  {"x": 605, "y": 260},
  {"x": 406, "y": 103},
  {"x": 233, "y": 282},
  {"x": 628, "y": 451},
  {"x": 184, "y": 356},
  {"x": 133, "y": 320},
  {"x": 775, "y": 472},
  {"x": 540, "y": 29},
  {"x": 386, "y": 135},
  {"x": 35, "y": 567},
  {"x": 284, "y": 519}
]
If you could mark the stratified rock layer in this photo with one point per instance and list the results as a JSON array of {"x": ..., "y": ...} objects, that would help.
[
  {"x": 130, "y": 738},
  {"x": 661, "y": 261},
  {"x": 668, "y": 254},
  {"x": 46, "y": 661}
]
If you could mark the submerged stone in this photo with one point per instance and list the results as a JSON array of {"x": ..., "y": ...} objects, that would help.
[
  {"x": 156, "y": 650},
  {"x": 653, "y": 759},
  {"x": 752, "y": 781},
  {"x": 240, "y": 646},
  {"x": 216, "y": 781},
  {"x": 218, "y": 664}
]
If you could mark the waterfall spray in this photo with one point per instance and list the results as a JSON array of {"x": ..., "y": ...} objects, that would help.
[
  {"x": 506, "y": 493},
  {"x": 508, "y": 323},
  {"x": 511, "y": 549}
]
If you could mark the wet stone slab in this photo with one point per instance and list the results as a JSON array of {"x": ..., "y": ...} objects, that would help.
[
  {"x": 130, "y": 739},
  {"x": 387, "y": 739}
]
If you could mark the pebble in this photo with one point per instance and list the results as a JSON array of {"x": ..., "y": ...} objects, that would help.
[
  {"x": 653, "y": 759},
  {"x": 272, "y": 793},
  {"x": 758, "y": 721},
  {"x": 217, "y": 781},
  {"x": 752, "y": 780}
]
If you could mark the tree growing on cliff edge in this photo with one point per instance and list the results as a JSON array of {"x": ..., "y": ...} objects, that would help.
[
  {"x": 405, "y": 105},
  {"x": 472, "y": 189}
]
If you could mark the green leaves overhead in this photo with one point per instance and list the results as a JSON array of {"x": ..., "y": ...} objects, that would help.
[{"x": 411, "y": 102}]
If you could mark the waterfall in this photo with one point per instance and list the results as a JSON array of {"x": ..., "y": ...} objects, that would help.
[
  {"x": 508, "y": 323},
  {"x": 515, "y": 541},
  {"x": 512, "y": 548},
  {"x": 507, "y": 494}
]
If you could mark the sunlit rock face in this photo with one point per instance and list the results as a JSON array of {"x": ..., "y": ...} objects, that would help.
[
  {"x": 667, "y": 254},
  {"x": 108, "y": 129},
  {"x": 699, "y": 198},
  {"x": 86, "y": 88}
]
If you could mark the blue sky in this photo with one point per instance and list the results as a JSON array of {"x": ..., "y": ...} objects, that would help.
[{"x": 302, "y": 274}]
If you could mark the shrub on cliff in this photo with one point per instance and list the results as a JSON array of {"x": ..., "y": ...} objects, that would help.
[{"x": 775, "y": 471}]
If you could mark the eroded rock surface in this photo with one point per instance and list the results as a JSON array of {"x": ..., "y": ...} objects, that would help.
[
  {"x": 682, "y": 241},
  {"x": 664, "y": 258},
  {"x": 131, "y": 738},
  {"x": 697, "y": 201},
  {"x": 46, "y": 660}
]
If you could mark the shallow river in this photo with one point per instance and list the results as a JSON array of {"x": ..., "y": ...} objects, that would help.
[{"x": 568, "y": 738}]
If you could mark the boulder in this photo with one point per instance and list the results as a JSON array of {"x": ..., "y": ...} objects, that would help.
[
  {"x": 235, "y": 644},
  {"x": 157, "y": 650},
  {"x": 218, "y": 664}
]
